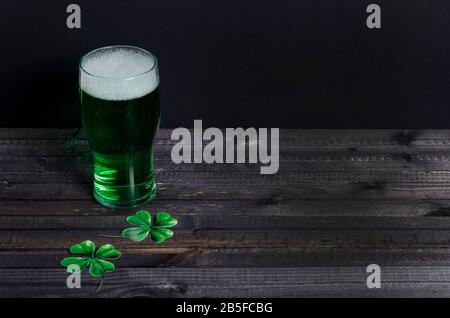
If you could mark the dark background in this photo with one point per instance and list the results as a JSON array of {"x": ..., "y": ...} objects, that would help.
[{"x": 262, "y": 63}]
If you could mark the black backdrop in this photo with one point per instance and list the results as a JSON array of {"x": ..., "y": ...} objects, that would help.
[{"x": 262, "y": 63}]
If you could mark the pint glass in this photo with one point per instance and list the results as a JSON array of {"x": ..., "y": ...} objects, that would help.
[{"x": 120, "y": 114}]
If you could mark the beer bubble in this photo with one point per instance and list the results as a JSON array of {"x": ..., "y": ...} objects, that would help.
[{"x": 118, "y": 73}]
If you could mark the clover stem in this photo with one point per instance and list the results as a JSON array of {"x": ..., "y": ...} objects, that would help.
[{"x": 100, "y": 285}]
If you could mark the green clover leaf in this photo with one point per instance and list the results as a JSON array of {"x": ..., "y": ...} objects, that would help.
[
  {"x": 97, "y": 261},
  {"x": 158, "y": 227}
]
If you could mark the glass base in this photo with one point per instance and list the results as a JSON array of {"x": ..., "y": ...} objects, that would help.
[{"x": 126, "y": 204}]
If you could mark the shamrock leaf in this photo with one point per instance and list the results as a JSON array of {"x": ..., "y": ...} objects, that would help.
[
  {"x": 158, "y": 227},
  {"x": 98, "y": 261}
]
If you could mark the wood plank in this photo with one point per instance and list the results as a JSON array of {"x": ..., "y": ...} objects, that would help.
[
  {"x": 63, "y": 142},
  {"x": 270, "y": 206},
  {"x": 300, "y": 151},
  {"x": 295, "y": 163},
  {"x": 409, "y": 185},
  {"x": 303, "y": 136},
  {"x": 39, "y": 150},
  {"x": 231, "y": 221},
  {"x": 40, "y": 133},
  {"x": 293, "y": 141},
  {"x": 238, "y": 238},
  {"x": 286, "y": 179},
  {"x": 232, "y": 282},
  {"x": 162, "y": 257}
]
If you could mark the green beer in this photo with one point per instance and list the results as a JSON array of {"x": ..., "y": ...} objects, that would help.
[{"x": 120, "y": 114}]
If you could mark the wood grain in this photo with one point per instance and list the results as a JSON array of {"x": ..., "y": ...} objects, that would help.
[
  {"x": 233, "y": 282},
  {"x": 342, "y": 199}
]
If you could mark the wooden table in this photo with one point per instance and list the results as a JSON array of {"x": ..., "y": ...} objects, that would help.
[{"x": 343, "y": 199}]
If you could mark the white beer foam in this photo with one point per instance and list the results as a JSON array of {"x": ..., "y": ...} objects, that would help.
[{"x": 118, "y": 73}]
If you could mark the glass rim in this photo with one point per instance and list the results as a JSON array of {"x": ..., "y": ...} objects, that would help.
[{"x": 152, "y": 68}]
